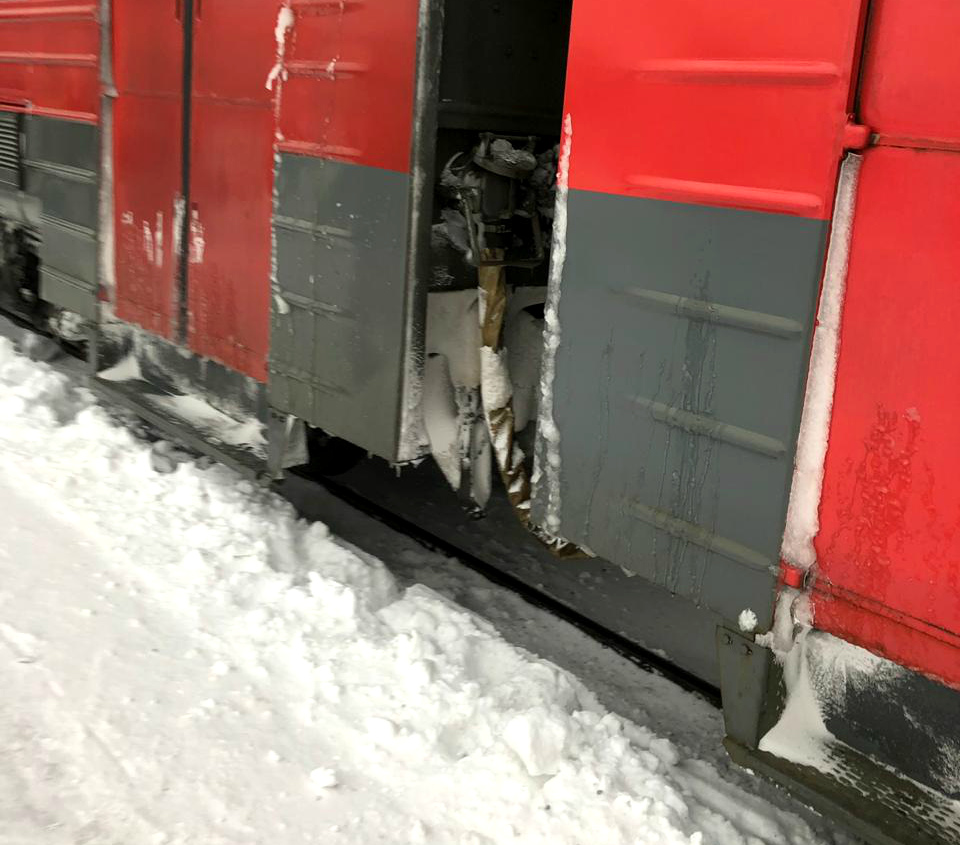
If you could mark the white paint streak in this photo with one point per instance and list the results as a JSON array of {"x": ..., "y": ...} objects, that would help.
[
  {"x": 148, "y": 241},
  {"x": 198, "y": 244},
  {"x": 158, "y": 240},
  {"x": 179, "y": 208}
]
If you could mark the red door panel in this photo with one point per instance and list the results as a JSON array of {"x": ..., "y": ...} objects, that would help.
[
  {"x": 148, "y": 47},
  {"x": 231, "y": 183},
  {"x": 51, "y": 58},
  {"x": 349, "y": 89},
  {"x": 889, "y": 544},
  {"x": 148, "y": 67},
  {"x": 231, "y": 192},
  {"x": 682, "y": 101},
  {"x": 911, "y": 65}
]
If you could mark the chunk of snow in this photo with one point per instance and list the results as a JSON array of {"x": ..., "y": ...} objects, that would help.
[
  {"x": 538, "y": 739},
  {"x": 126, "y": 369},
  {"x": 323, "y": 779}
]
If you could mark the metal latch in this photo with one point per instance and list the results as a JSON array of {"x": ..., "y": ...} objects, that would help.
[{"x": 856, "y": 136}]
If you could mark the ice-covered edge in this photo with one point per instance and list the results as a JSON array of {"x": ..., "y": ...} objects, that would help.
[
  {"x": 802, "y": 513},
  {"x": 546, "y": 469}
]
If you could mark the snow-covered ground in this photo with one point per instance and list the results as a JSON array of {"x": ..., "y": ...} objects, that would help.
[{"x": 183, "y": 660}]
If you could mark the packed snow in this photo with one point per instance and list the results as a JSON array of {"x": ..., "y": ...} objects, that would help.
[{"x": 184, "y": 660}]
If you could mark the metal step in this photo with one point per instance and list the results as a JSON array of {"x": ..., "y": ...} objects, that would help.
[{"x": 869, "y": 799}]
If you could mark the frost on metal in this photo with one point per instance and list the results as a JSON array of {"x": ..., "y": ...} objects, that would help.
[
  {"x": 546, "y": 472},
  {"x": 802, "y": 514},
  {"x": 413, "y": 441},
  {"x": 821, "y": 672},
  {"x": 107, "y": 234},
  {"x": 285, "y": 22}
]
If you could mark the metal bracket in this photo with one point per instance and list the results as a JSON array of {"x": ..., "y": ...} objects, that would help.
[{"x": 751, "y": 687}]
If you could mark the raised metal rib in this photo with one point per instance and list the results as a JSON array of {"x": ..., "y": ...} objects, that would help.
[
  {"x": 67, "y": 11},
  {"x": 331, "y": 69},
  {"x": 65, "y": 171},
  {"x": 700, "y": 536},
  {"x": 752, "y": 441},
  {"x": 711, "y": 312},
  {"x": 326, "y": 7},
  {"x": 740, "y": 71},
  {"x": 307, "y": 227},
  {"x": 10, "y": 149},
  {"x": 295, "y": 373},
  {"x": 68, "y": 226},
  {"x": 308, "y": 148},
  {"x": 746, "y": 197}
]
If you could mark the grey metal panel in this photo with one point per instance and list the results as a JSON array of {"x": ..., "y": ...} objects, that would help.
[
  {"x": 68, "y": 292},
  {"x": 337, "y": 319},
  {"x": 66, "y": 142},
  {"x": 10, "y": 150},
  {"x": 60, "y": 171},
  {"x": 69, "y": 249},
  {"x": 685, "y": 333},
  {"x": 66, "y": 194}
]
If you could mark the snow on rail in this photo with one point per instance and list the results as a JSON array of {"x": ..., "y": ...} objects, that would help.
[{"x": 183, "y": 660}]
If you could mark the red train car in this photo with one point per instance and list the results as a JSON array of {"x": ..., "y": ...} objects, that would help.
[{"x": 678, "y": 273}]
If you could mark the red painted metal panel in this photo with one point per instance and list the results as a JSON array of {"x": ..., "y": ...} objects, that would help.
[
  {"x": 148, "y": 62},
  {"x": 739, "y": 103},
  {"x": 889, "y": 544},
  {"x": 349, "y": 91},
  {"x": 912, "y": 67},
  {"x": 50, "y": 58},
  {"x": 148, "y": 47},
  {"x": 231, "y": 183}
]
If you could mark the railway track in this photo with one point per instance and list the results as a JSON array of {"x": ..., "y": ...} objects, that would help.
[{"x": 314, "y": 495}]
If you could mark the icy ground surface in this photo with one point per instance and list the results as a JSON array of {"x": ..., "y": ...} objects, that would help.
[{"x": 183, "y": 661}]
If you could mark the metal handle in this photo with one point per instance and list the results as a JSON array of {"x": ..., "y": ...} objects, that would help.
[
  {"x": 178, "y": 9},
  {"x": 199, "y": 6}
]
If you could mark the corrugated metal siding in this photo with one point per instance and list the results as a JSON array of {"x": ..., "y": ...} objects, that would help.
[{"x": 10, "y": 150}]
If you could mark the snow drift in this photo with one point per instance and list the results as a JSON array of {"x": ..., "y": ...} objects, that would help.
[{"x": 185, "y": 661}]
